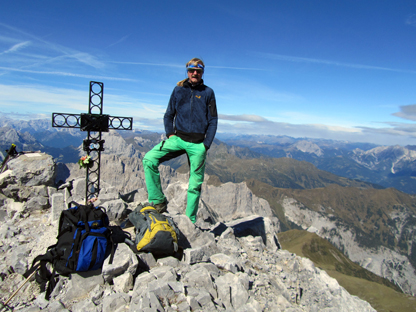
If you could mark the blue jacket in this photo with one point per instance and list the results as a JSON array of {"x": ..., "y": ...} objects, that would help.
[{"x": 192, "y": 114}]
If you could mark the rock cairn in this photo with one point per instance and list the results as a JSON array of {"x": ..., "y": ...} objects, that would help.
[{"x": 227, "y": 264}]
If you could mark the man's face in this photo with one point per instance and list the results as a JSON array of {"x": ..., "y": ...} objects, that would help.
[{"x": 194, "y": 75}]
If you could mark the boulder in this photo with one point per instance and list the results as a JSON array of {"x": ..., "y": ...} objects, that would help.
[{"x": 33, "y": 169}]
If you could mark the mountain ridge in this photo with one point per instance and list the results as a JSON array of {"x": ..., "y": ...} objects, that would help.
[
  {"x": 357, "y": 161},
  {"x": 361, "y": 161},
  {"x": 362, "y": 223}
]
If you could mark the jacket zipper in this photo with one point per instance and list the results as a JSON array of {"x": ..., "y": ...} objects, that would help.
[{"x": 192, "y": 98}]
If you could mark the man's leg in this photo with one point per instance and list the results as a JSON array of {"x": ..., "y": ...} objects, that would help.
[
  {"x": 197, "y": 155},
  {"x": 151, "y": 163}
]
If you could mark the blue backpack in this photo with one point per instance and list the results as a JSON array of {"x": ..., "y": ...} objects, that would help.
[{"x": 84, "y": 241}]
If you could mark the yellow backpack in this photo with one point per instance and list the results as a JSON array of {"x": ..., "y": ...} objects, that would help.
[{"x": 155, "y": 232}]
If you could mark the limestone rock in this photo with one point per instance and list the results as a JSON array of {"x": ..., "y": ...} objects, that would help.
[
  {"x": 33, "y": 169},
  {"x": 123, "y": 283},
  {"x": 115, "y": 209},
  {"x": 124, "y": 261}
]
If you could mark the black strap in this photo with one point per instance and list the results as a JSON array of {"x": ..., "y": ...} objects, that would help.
[
  {"x": 83, "y": 211},
  {"x": 32, "y": 269},
  {"x": 161, "y": 146},
  {"x": 93, "y": 255},
  {"x": 51, "y": 285},
  {"x": 75, "y": 204},
  {"x": 72, "y": 260},
  {"x": 62, "y": 232},
  {"x": 44, "y": 277},
  {"x": 117, "y": 236},
  {"x": 84, "y": 216},
  {"x": 113, "y": 251}
]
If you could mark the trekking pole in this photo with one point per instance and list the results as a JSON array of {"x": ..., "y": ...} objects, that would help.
[{"x": 2, "y": 305}]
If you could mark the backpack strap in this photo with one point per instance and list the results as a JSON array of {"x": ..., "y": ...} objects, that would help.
[
  {"x": 73, "y": 202},
  {"x": 104, "y": 216},
  {"x": 46, "y": 279},
  {"x": 118, "y": 236},
  {"x": 72, "y": 260},
  {"x": 149, "y": 219},
  {"x": 84, "y": 216}
]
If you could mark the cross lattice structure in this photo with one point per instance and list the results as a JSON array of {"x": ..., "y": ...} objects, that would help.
[{"x": 95, "y": 122}]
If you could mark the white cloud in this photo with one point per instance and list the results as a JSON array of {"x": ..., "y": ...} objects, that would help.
[
  {"x": 336, "y": 128},
  {"x": 182, "y": 66},
  {"x": 149, "y": 64},
  {"x": 403, "y": 134},
  {"x": 395, "y": 135},
  {"x": 45, "y": 100},
  {"x": 327, "y": 62},
  {"x": 407, "y": 112},
  {"x": 58, "y": 73},
  {"x": 149, "y": 124},
  {"x": 17, "y": 47},
  {"x": 237, "y": 68},
  {"x": 157, "y": 109},
  {"x": 28, "y": 98},
  {"x": 50, "y": 48},
  {"x": 87, "y": 59},
  {"x": 119, "y": 41},
  {"x": 250, "y": 118},
  {"x": 24, "y": 116}
]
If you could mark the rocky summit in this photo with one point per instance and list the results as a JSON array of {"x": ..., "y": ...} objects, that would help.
[{"x": 232, "y": 260}]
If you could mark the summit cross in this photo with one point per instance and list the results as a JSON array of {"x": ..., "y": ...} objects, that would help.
[{"x": 95, "y": 122}]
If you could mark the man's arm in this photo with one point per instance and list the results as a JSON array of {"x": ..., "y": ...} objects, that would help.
[
  {"x": 212, "y": 122},
  {"x": 170, "y": 116}
]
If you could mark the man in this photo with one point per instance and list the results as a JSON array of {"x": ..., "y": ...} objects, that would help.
[{"x": 190, "y": 124}]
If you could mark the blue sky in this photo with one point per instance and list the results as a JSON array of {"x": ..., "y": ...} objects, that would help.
[{"x": 343, "y": 70}]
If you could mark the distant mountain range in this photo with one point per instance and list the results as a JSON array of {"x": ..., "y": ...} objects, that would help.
[{"x": 386, "y": 166}]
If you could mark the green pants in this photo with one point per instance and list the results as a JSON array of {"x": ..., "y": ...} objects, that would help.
[{"x": 173, "y": 147}]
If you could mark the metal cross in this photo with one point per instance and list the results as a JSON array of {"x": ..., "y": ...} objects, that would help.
[{"x": 95, "y": 122}]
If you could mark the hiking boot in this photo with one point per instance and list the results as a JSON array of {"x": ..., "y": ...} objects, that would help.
[{"x": 162, "y": 207}]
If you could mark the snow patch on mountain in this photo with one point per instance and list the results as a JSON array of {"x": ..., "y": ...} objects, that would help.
[
  {"x": 380, "y": 157},
  {"x": 308, "y": 147}
]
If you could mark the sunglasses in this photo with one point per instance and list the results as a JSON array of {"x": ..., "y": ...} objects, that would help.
[
  {"x": 191, "y": 70},
  {"x": 198, "y": 67}
]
